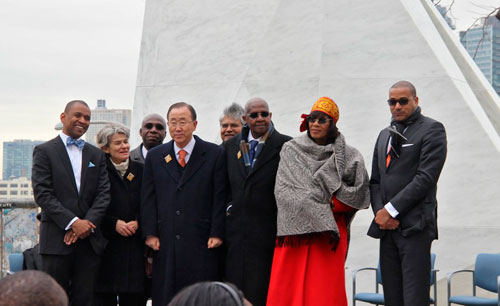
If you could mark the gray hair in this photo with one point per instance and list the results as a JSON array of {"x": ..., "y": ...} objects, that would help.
[
  {"x": 103, "y": 138},
  {"x": 234, "y": 111}
]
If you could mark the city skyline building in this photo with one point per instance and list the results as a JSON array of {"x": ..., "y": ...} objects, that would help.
[
  {"x": 17, "y": 158},
  {"x": 444, "y": 11},
  {"x": 101, "y": 115},
  {"x": 18, "y": 188},
  {"x": 482, "y": 42}
]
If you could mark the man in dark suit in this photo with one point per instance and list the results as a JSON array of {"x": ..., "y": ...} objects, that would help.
[
  {"x": 152, "y": 131},
  {"x": 407, "y": 162},
  {"x": 183, "y": 203},
  {"x": 70, "y": 184},
  {"x": 252, "y": 161}
]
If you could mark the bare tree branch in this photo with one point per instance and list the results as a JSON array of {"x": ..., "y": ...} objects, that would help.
[{"x": 485, "y": 23}]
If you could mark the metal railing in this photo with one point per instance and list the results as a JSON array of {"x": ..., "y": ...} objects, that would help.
[{"x": 10, "y": 204}]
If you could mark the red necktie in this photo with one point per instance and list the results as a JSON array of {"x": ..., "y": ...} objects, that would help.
[
  {"x": 182, "y": 161},
  {"x": 388, "y": 158}
]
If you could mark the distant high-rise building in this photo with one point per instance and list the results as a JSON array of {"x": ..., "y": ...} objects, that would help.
[
  {"x": 483, "y": 43},
  {"x": 444, "y": 12},
  {"x": 17, "y": 158},
  {"x": 101, "y": 103},
  {"x": 100, "y": 116}
]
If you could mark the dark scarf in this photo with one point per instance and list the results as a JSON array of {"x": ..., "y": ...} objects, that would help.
[
  {"x": 397, "y": 130},
  {"x": 244, "y": 146}
]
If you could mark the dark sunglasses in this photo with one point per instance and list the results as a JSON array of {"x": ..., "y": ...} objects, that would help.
[
  {"x": 262, "y": 114},
  {"x": 158, "y": 126},
  {"x": 402, "y": 101},
  {"x": 321, "y": 120}
]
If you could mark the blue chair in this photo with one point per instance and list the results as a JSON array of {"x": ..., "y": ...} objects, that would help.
[
  {"x": 485, "y": 275},
  {"x": 378, "y": 298},
  {"x": 15, "y": 262}
]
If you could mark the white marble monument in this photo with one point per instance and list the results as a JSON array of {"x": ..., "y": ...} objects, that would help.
[{"x": 290, "y": 52}]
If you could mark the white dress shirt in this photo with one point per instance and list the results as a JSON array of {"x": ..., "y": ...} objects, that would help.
[
  {"x": 389, "y": 207},
  {"x": 144, "y": 151},
  {"x": 250, "y": 137},
  {"x": 75, "y": 157},
  {"x": 188, "y": 148}
]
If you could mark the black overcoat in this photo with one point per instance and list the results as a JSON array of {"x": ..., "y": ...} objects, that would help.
[
  {"x": 122, "y": 267},
  {"x": 184, "y": 208},
  {"x": 251, "y": 216},
  {"x": 410, "y": 182}
]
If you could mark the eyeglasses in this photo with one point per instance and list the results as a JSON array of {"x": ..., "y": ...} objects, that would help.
[
  {"x": 180, "y": 123},
  {"x": 158, "y": 126},
  {"x": 256, "y": 115},
  {"x": 402, "y": 101},
  {"x": 321, "y": 120},
  {"x": 232, "y": 125}
]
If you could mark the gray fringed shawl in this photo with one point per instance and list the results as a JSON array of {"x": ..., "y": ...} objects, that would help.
[{"x": 308, "y": 175}]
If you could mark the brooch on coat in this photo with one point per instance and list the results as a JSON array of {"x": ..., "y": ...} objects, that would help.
[{"x": 168, "y": 158}]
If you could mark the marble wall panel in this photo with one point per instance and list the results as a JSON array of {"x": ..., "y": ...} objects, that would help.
[{"x": 292, "y": 52}]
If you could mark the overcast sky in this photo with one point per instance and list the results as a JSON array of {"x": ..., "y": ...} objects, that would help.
[{"x": 53, "y": 51}]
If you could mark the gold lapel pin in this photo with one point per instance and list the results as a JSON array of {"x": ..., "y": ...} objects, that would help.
[
  {"x": 239, "y": 154},
  {"x": 168, "y": 158},
  {"x": 130, "y": 177}
]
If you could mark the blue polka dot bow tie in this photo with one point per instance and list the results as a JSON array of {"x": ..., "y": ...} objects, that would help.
[{"x": 77, "y": 142}]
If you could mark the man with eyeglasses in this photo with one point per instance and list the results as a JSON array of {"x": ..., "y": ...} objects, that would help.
[
  {"x": 183, "y": 206},
  {"x": 407, "y": 162},
  {"x": 231, "y": 121},
  {"x": 153, "y": 132},
  {"x": 252, "y": 159}
]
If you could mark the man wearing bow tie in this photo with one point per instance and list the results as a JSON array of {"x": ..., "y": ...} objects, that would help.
[{"x": 70, "y": 184}]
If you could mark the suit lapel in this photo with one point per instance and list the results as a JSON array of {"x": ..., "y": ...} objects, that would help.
[
  {"x": 196, "y": 160},
  {"x": 239, "y": 157},
  {"x": 85, "y": 166},
  {"x": 408, "y": 133},
  {"x": 169, "y": 161},
  {"x": 63, "y": 154},
  {"x": 268, "y": 152}
]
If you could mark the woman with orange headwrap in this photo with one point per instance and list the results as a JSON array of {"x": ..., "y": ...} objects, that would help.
[{"x": 320, "y": 184}]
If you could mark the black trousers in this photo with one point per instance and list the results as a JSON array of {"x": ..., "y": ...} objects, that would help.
[
  {"x": 405, "y": 264},
  {"x": 126, "y": 299},
  {"x": 76, "y": 272}
]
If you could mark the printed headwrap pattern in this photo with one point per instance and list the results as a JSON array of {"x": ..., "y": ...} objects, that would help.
[{"x": 324, "y": 105}]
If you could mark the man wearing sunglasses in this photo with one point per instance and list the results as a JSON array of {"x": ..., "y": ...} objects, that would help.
[
  {"x": 407, "y": 162},
  {"x": 252, "y": 159},
  {"x": 153, "y": 133}
]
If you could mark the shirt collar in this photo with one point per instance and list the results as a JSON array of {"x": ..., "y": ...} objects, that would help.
[
  {"x": 250, "y": 137},
  {"x": 144, "y": 151},
  {"x": 188, "y": 148},
  {"x": 64, "y": 137}
]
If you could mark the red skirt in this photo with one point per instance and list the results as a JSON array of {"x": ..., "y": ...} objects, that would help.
[{"x": 311, "y": 273}]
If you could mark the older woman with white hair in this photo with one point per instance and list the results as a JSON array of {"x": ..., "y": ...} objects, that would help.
[{"x": 122, "y": 272}]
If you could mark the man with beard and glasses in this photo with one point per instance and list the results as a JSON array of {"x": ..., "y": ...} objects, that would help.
[
  {"x": 153, "y": 132},
  {"x": 407, "y": 162},
  {"x": 252, "y": 159}
]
